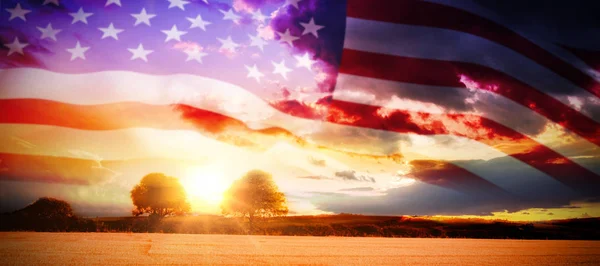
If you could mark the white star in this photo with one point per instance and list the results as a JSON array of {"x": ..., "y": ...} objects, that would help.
[
  {"x": 140, "y": 53},
  {"x": 257, "y": 41},
  {"x": 195, "y": 54},
  {"x": 229, "y": 15},
  {"x": 15, "y": 46},
  {"x": 286, "y": 37},
  {"x": 293, "y": 3},
  {"x": 178, "y": 3},
  {"x": 173, "y": 34},
  {"x": 281, "y": 69},
  {"x": 49, "y": 32},
  {"x": 80, "y": 16},
  {"x": 143, "y": 17},
  {"x": 311, "y": 27},
  {"x": 305, "y": 61},
  {"x": 228, "y": 44},
  {"x": 55, "y": 2},
  {"x": 254, "y": 73},
  {"x": 17, "y": 12},
  {"x": 198, "y": 23},
  {"x": 259, "y": 16},
  {"x": 110, "y": 32},
  {"x": 77, "y": 51},
  {"x": 116, "y": 2}
]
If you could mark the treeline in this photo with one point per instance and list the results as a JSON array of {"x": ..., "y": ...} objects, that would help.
[{"x": 51, "y": 215}]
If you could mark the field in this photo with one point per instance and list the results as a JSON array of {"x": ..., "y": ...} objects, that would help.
[{"x": 28, "y": 248}]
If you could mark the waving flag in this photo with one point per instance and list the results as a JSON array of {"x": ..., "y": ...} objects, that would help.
[{"x": 377, "y": 105}]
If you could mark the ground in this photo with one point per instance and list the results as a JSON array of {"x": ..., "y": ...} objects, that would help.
[{"x": 141, "y": 248}]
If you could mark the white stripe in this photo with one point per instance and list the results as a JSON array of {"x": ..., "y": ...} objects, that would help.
[{"x": 443, "y": 44}]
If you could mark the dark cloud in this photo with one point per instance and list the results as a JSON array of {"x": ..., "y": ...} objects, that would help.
[
  {"x": 358, "y": 189},
  {"x": 445, "y": 174},
  {"x": 314, "y": 177},
  {"x": 446, "y": 188},
  {"x": 317, "y": 162},
  {"x": 351, "y": 175}
]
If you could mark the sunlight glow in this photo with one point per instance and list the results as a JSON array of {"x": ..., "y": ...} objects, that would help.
[{"x": 205, "y": 185}]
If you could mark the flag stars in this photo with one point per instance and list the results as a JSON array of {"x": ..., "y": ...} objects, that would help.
[
  {"x": 281, "y": 69},
  {"x": 304, "y": 61},
  {"x": 78, "y": 51},
  {"x": 140, "y": 53},
  {"x": 287, "y": 37},
  {"x": 258, "y": 16},
  {"x": 230, "y": 15},
  {"x": 228, "y": 44},
  {"x": 311, "y": 27},
  {"x": 178, "y": 3},
  {"x": 194, "y": 54},
  {"x": 198, "y": 23},
  {"x": 17, "y": 12},
  {"x": 110, "y": 31},
  {"x": 254, "y": 73},
  {"x": 173, "y": 34},
  {"x": 142, "y": 17},
  {"x": 110, "y": 2},
  {"x": 80, "y": 15},
  {"x": 16, "y": 47},
  {"x": 48, "y": 32},
  {"x": 257, "y": 41}
]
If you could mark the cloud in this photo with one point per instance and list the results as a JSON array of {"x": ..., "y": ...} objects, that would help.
[
  {"x": 351, "y": 175},
  {"x": 445, "y": 174},
  {"x": 314, "y": 177},
  {"x": 317, "y": 162},
  {"x": 361, "y": 189}
]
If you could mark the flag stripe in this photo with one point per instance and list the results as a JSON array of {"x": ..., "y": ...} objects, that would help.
[
  {"x": 442, "y": 16},
  {"x": 481, "y": 129},
  {"x": 135, "y": 144},
  {"x": 129, "y": 115},
  {"x": 448, "y": 45},
  {"x": 436, "y": 99},
  {"x": 468, "y": 76}
]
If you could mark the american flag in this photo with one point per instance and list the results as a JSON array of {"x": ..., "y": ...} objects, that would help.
[{"x": 449, "y": 92}]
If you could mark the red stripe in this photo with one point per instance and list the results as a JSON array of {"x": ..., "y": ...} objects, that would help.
[
  {"x": 134, "y": 114},
  {"x": 449, "y": 74},
  {"x": 447, "y": 175},
  {"x": 51, "y": 169},
  {"x": 424, "y": 13},
  {"x": 469, "y": 126},
  {"x": 591, "y": 58}
]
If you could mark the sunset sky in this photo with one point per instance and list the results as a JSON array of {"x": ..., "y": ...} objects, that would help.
[{"x": 510, "y": 140}]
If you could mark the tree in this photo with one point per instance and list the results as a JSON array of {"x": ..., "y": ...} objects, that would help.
[
  {"x": 159, "y": 195},
  {"x": 48, "y": 208},
  {"x": 254, "y": 195},
  {"x": 45, "y": 214}
]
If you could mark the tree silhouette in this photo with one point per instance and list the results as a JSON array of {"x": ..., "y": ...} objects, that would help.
[
  {"x": 45, "y": 214},
  {"x": 159, "y": 195},
  {"x": 254, "y": 195}
]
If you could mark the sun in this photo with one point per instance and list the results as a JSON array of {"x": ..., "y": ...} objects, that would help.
[{"x": 205, "y": 185}]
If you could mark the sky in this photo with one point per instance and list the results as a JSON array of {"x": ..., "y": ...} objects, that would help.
[{"x": 208, "y": 105}]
